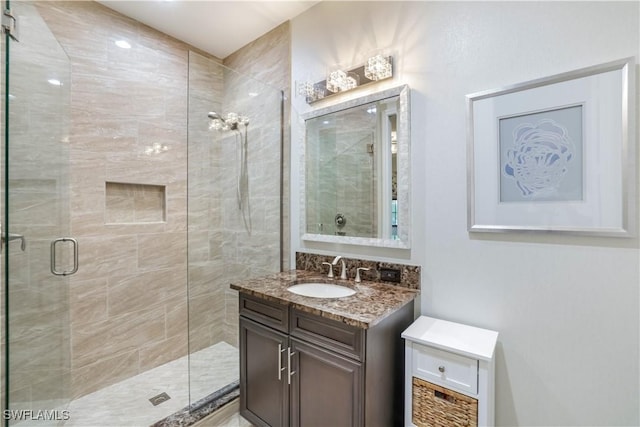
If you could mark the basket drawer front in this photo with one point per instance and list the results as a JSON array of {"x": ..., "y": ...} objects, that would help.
[
  {"x": 447, "y": 369},
  {"x": 433, "y": 405}
]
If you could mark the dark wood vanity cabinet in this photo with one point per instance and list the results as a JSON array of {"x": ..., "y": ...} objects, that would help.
[
  {"x": 265, "y": 396},
  {"x": 300, "y": 369},
  {"x": 326, "y": 388}
]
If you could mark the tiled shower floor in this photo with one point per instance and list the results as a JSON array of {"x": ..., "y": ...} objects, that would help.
[{"x": 127, "y": 403}]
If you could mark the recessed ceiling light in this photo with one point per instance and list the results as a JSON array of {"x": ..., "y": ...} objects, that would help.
[
  {"x": 253, "y": 94},
  {"x": 55, "y": 82},
  {"x": 123, "y": 44}
]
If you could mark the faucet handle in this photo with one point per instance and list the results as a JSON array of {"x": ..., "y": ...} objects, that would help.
[
  {"x": 358, "y": 270},
  {"x": 330, "y": 275}
]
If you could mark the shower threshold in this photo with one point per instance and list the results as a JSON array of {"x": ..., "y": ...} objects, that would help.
[{"x": 202, "y": 408}]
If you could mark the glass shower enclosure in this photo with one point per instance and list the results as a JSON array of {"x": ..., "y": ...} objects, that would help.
[{"x": 234, "y": 226}]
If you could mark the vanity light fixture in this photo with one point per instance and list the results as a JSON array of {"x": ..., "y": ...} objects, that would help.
[
  {"x": 378, "y": 67},
  {"x": 339, "y": 81},
  {"x": 306, "y": 89},
  {"x": 311, "y": 91}
]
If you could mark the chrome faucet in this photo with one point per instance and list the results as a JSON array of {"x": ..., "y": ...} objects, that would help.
[
  {"x": 343, "y": 275},
  {"x": 330, "y": 274}
]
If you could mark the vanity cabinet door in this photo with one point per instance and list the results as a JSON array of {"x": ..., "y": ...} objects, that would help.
[
  {"x": 327, "y": 388},
  {"x": 264, "y": 389}
]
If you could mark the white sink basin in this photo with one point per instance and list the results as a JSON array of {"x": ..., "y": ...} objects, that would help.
[{"x": 321, "y": 290}]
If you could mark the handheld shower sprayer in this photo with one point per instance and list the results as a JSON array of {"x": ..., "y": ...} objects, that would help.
[{"x": 231, "y": 122}]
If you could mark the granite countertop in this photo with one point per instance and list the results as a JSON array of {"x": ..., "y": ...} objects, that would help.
[{"x": 371, "y": 303}]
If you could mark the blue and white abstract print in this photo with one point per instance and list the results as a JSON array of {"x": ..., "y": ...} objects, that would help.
[{"x": 541, "y": 156}]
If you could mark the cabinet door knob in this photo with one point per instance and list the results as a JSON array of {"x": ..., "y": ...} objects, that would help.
[{"x": 441, "y": 369}]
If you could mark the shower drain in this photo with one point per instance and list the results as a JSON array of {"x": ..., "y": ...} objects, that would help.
[{"x": 161, "y": 398}]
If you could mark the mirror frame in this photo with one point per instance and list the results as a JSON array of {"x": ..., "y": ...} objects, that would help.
[{"x": 404, "y": 172}]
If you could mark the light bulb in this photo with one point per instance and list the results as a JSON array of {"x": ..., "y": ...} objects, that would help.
[{"x": 378, "y": 67}]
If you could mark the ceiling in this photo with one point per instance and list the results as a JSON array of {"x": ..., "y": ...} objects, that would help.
[{"x": 217, "y": 27}]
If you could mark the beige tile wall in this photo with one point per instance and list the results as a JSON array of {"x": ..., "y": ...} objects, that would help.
[
  {"x": 268, "y": 59},
  {"x": 206, "y": 265},
  {"x": 230, "y": 244}
]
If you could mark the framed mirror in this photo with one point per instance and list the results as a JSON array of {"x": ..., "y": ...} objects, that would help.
[{"x": 355, "y": 171}]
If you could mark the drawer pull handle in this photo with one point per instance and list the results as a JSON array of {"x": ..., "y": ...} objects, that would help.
[
  {"x": 443, "y": 396},
  {"x": 441, "y": 369}
]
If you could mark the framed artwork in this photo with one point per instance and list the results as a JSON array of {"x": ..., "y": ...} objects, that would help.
[{"x": 555, "y": 154}]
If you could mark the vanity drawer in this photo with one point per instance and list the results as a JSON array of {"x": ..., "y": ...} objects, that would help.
[
  {"x": 328, "y": 333},
  {"x": 444, "y": 368},
  {"x": 268, "y": 313}
]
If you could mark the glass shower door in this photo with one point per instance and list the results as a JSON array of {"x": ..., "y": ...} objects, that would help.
[
  {"x": 37, "y": 255},
  {"x": 234, "y": 213}
]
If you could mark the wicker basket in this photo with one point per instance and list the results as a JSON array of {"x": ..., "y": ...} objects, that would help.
[{"x": 438, "y": 406}]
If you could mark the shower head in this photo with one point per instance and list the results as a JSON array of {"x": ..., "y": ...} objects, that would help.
[{"x": 230, "y": 123}]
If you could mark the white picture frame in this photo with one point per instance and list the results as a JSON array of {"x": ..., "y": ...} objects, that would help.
[{"x": 555, "y": 154}]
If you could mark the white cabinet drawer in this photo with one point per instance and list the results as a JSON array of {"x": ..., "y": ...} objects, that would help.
[{"x": 447, "y": 369}]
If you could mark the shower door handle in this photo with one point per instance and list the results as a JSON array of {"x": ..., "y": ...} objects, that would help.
[{"x": 74, "y": 242}]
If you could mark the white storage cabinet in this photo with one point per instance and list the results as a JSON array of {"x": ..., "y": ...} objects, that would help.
[{"x": 458, "y": 360}]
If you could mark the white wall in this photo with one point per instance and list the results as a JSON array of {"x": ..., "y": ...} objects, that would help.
[{"x": 567, "y": 308}]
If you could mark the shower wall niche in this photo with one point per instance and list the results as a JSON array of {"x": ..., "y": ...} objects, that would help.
[{"x": 134, "y": 203}]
